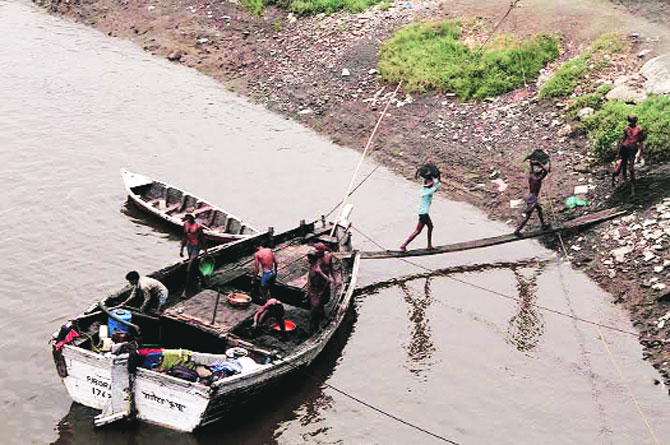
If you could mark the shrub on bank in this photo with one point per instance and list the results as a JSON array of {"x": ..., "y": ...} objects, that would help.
[
  {"x": 311, "y": 7},
  {"x": 568, "y": 76},
  {"x": 431, "y": 56},
  {"x": 606, "y": 126},
  {"x": 592, "y": 100}
]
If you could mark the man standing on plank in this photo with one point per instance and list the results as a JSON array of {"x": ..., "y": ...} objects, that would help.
[
  {"x": 537, "y": 173},
  {"x": 430, "y": 185}
]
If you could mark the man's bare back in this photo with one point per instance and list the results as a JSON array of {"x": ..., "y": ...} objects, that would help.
[{"x": 266, "y": 258}]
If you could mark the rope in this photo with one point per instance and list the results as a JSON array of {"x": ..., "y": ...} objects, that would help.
[
  {"x": 360, "y": 162},
  {"x": 631, "y": 395},
  {"x": 500, "y": 294},
  {"x": 630, "y": 392},
  {"x": 512, "y": 5}
]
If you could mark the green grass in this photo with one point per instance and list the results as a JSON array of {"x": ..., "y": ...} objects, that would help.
[
  {"x": 606, "y": 126},
  {"x": 255, "y": 7},
  {"x": 592, "y": 100},
  {"x": 568, "y": 76},
  {"x": 431, "y": 56},
  {"x": 313, "y": 7}
]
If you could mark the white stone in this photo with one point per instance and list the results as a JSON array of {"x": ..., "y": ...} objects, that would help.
[
  {"x": 648, "y": 222},
  {"x": 502, "y": 186},
  {"x": 345, "y": 72},
  {"x": 620, "y": 253},
  {"x": 372, "y": 71},
  {"x": 581, "y": 189},
  {"x": 585, "y": 112},
  {"x": 648, "y": 255},
  {"x": 515, "y": 203},
  {"x": 576, "y": 248},
  {"x": 658, "y": 269},
  {"x": 657, "y": 74},
  {"x": 305, "y": 111},
  {"x": 658, "y": 286}
]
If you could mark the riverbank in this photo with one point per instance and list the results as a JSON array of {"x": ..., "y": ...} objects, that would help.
[{"x": 321, "y": 71}]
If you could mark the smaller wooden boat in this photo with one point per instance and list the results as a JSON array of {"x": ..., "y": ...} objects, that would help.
[{"x": 171, "y": 204}]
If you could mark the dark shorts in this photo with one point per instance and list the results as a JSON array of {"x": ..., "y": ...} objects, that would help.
[
  {"x": 268, "y": 278},
  {"x": 276, "y": 311},
  {"x": 531, "y": 202},
  {"x": 424, "y": 218},
  {"x": 628, "y": 153},
  {"x": 193, "y": 251}
]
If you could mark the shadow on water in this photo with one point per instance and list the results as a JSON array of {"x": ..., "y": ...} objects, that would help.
[
  {"x": 142, "y": 218},
  {"x": 527, "y": 325},
  {"x": 420, "y": 347},
  {"x": 254, "y": 423}
]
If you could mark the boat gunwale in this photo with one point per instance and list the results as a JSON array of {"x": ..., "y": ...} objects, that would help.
[{"x": 217, "y": 234}]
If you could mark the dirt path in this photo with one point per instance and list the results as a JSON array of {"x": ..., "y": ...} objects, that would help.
[{"x": 322, "y": 71}]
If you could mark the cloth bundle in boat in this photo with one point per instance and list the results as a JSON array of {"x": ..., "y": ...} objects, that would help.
[
  {"x": 184, "y": 373},
  {"x": 172, "y": 357},
  {"x": 151, "y": 357}
]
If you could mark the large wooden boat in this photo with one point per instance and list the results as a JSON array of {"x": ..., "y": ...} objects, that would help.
[
  {"x": 205, "y": 328},
  {"x": 171, "y": 204}
]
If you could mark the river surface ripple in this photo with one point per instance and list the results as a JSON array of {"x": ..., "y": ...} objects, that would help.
[{"x": 76, "y": 105}]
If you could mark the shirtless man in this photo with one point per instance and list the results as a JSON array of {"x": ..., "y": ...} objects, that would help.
[
  {"x": 534, "y": 185},
  {"x": 193, "y": 238},
  {"x": 325, "y": 262},
  {"x": 318, "y": 283},
  {"x": 272, "y": 309},
  {"x": 265, "y": 260},
  {"x": 631, "y": 141}
]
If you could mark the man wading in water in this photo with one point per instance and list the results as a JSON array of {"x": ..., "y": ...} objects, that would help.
[
  {"x": 534, "y": 185},
  {"x": 430, "y": 185},
  {"x": 193, "y": 239},
  {"x": 631, "y": 141}
]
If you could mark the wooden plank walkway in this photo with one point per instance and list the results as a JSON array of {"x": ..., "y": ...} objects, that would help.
[{"x": 577, "y": 223}]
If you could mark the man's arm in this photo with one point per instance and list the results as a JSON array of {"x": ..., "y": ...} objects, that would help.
[
  {"x": 256, "y": 266},
  {"x": 147, "y": 299},
  {"x": 201, "y": 238},
  {"x": 132, "y": 295},
  {"x": 183, "y": 242},
  {"x": 274, "y": 260}
]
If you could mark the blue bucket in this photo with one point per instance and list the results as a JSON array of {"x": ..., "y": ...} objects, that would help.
[{"x": 115, "y": 325}]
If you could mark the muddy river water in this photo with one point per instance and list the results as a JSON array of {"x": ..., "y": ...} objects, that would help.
[{"x": 455, "y": 359}]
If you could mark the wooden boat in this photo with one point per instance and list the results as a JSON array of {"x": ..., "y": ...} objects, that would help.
[
  {"x": 171, "y": 204},
  {"x": 207, "y": 327}
]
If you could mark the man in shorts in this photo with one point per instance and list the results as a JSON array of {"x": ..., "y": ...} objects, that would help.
[
  {"x": 430, "y": 185},
  {"x": 265, "y": 261},
  {"x": 193, "y": 238},
  {"x": 537, "y": 173},
  {"x": 318, "y": 286},
  {"x": 631, "y": 142}
]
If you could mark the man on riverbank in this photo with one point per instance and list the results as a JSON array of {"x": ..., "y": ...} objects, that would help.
[
  {"x": 318, "y": 286},
  {"x": 153, "y": 292},
  {"x": 537, "y": 173},
  {"x": 430, "y": 185},
  {"x": 631, "y": 142},
  {"x": 193, "y": 238},
  {"x": 265, "y": 261}
]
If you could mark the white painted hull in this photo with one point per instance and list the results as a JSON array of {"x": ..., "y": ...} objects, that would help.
[{"x": 184, "y": 406}]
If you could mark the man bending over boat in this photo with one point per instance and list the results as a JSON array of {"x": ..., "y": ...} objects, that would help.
[
  {"x": 273, "y": 309},
  {"x": 318, "y": 286},
  {"x": 537, "y": 173},
  {"x": 153, "y": 291},
  {"x": 265, "y": 260},
  {"x": 193, "y": 238}
]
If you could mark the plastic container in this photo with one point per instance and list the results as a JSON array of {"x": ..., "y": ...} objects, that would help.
[
  {"x": 106, "y": 344},
  {"x": 103, "y": 331},
  {"x": 115, "y": 325}
]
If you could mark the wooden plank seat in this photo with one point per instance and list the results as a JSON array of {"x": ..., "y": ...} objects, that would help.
[{"x": 198, "y": 311}]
